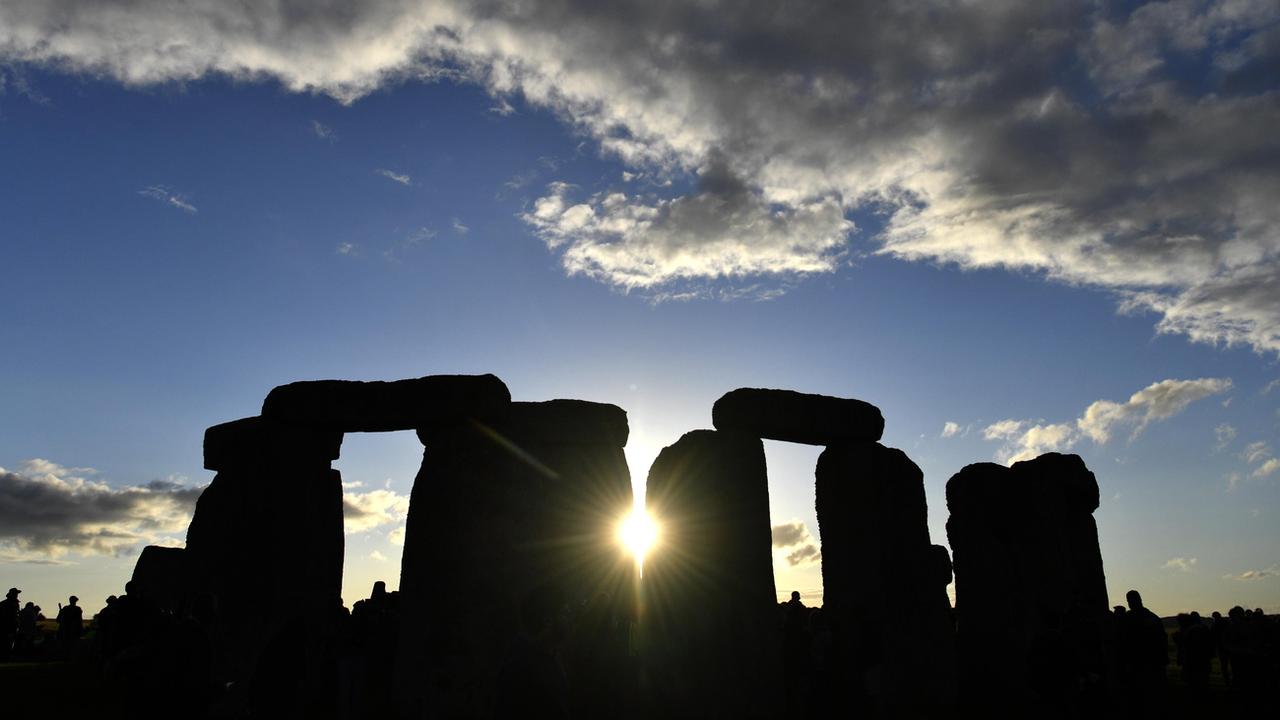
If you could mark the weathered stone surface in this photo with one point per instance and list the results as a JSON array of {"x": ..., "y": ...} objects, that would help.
[
  {"x": 1027, "y": 566},
  {"x": 884, "y": 590},
  {"x": 797, "y": 417},
  {"x": 498, "y": 513},
  {"x": 713, "y": 642},
  {"x": 267, "y": 532},
  {"x": 563, "y": 422},
  {"x": 351, "y": 406}
]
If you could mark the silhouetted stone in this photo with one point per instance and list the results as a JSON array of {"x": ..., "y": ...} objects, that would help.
[
  {"x": 797, "y": 417},
  {"x": 266, "y": 538},
  {"x": 561, "y": 422},
  {"x": 162, "y": 577},
  {"x": 713, "y": 646},
  {"x": 1027, "y": 566},
  {"x": 500, "y": 511},
  {"x": 941, "y": 566},
  {"x": 883, "y": 582},
  {"x": 351, "y": 406}
]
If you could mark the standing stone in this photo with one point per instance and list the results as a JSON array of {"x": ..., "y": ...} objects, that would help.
[
  {"x": 1029, "y": 576},
  {"x": 511, "y": 515},
  {"x": 884, "y": 584},
  {"x": 161, "y": 576},
  {"x": 266, "y": 539},
  {"x": 710, "y": 617},
  {"x": 797, "y": 417}
]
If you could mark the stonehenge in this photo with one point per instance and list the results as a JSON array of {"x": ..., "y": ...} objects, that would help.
[
  {"x": 527, "y": 506},
  {"x": 710, "y": 602},
  {"x": 512, "y": 518},
  {"x": 884, "y": 583},
  {"x": 1027, "y": 564}
]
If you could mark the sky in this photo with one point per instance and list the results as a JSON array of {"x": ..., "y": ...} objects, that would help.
[{"x": 1014, "y": 228}]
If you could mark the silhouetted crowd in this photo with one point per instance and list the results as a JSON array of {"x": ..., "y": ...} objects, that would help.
[{"x": 582, "y": 659}]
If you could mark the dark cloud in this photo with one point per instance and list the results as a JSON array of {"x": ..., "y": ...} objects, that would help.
[
  {"x": 48, "y": 510},
  {"x": 796, "y": 535},
  {"x": 807, "y": 553},
  {"x": 788, "y": 534},
  {"x": 1124, "y": 146}
]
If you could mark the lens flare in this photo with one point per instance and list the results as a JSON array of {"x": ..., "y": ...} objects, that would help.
[{"x": 638, "y": 533}]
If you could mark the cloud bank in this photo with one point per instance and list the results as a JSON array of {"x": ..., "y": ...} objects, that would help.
[
  {"x": 48, "y": 511},
  {"x": 1118, "y": 146}
]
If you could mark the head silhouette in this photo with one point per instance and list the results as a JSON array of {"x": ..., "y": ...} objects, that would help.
[
  {"x": 795, "y": 596},
  {"x": 1135, "y": 599},
  {"x": 13, "y": 593},
  {"x": 73, "y": 599}
]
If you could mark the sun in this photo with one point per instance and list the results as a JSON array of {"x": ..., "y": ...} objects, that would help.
[{"x": 637, "y": 533}]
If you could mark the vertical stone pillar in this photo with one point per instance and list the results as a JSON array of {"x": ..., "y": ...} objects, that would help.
[
  {"x": 1029, "y": 577},
  {"x": 507, "y": 515},
  {"x": 266, "y": 539},
  {"x": 710, "y": 611},
  {"x": 884, "y": 593}
]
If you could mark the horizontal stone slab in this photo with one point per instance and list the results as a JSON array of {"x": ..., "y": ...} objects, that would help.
[
  {"x": 354, "y": 406},
  {"x": 250, "y": 440},
  {"x": 797, "y": 417},
  {"x": 556, "y": 422}
]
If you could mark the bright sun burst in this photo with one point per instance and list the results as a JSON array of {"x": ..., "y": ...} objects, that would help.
[{"x": 638, "y": 533}]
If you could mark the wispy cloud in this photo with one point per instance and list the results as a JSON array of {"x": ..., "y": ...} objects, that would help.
[
  {"x": 402, "y": 178},
  {"x": 1180, "y": 564},
  {"x": 1223, "y": 435},
  {"x": 165, "y": 195},
  {"x": 954, "y": 429},
  {"x": 324, "y": 132},
  {"x": 1253, "y": 574},
  {"x": 459, "y": 228},
  {"x": 348, "y": 249},
  {"x": 1025, "y": 439}
]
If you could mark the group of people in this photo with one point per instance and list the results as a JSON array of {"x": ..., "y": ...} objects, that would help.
[{"x": 22, "y": 636}]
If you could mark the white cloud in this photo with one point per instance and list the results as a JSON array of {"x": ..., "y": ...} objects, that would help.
[
  {"x": 1266, "y": 390},
  {"x": 1024, "y": 439},
  {"x": 375, "y": 555},
  {"x": 459, "y": 228},
  {"x": 1061, "y": 140},
  {"x": 164, "y": 195},
  {"x": 1157, "y": 401},
  {"x": 1266, "y": 469},
  {"x": 348, "y": 248},
  {"x": 1180, "y": 564},
  {"x": 48, "y": 511},
  {"x": 364, "y": 511},
  {"x": 952, "y": 429},
  {"x": 401, "y": 178}
]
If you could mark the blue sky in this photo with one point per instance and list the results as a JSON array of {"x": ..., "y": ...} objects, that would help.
[{"x": 181, "y": 232}]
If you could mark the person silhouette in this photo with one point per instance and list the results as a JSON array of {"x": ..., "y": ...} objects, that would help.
[
  {"x": 8, "y": 622},
  {"x": 70, "y": 625},
  {"x": 1144, "y": 650}
]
